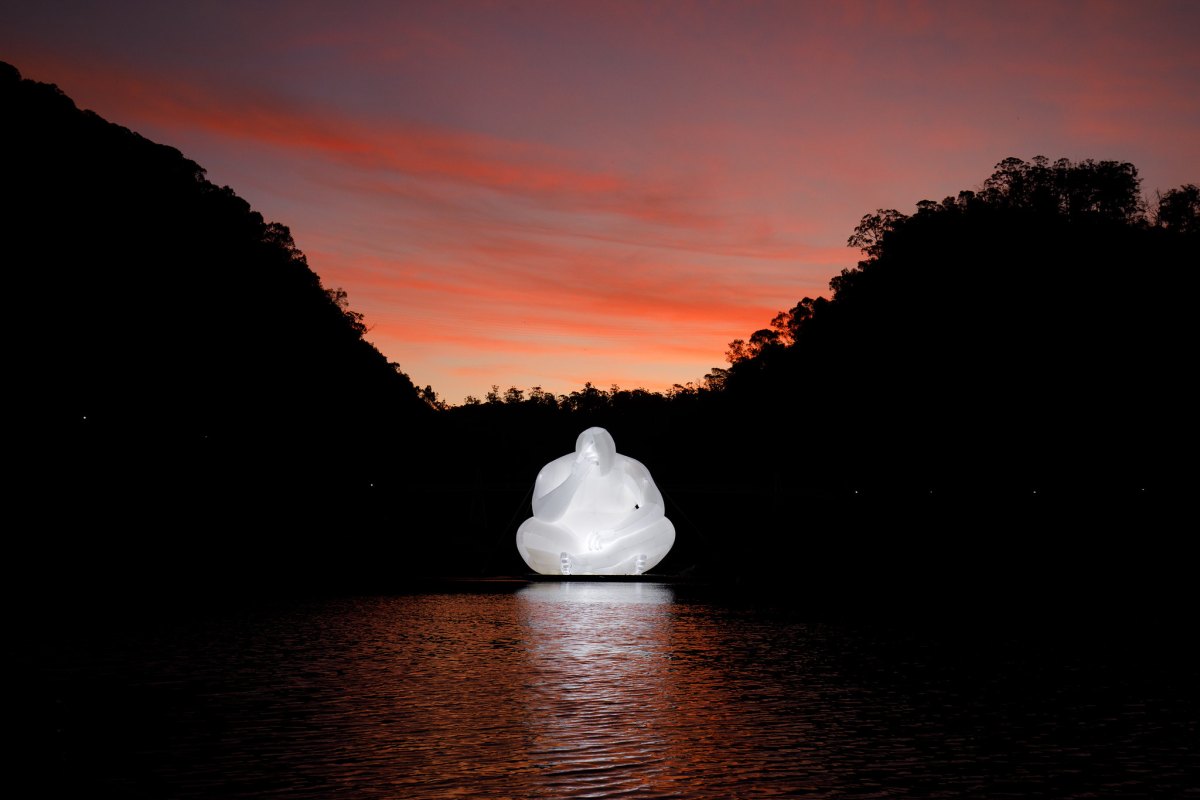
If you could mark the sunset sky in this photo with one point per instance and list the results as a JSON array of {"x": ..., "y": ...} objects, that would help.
[{"x": 545, "y": 194}]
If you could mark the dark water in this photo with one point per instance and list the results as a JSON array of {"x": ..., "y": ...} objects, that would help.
[{"x": 601, "y": 690}]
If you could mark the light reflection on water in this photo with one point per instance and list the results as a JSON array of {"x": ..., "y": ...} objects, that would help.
[
  {"x": 574, "y": 689},
  {"x": 598, "y": 659}
]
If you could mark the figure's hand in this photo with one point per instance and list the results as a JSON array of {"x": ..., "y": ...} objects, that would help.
[{"x": 582, "y": 466}]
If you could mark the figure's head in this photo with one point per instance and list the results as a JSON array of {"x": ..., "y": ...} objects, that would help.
[{"x": 598, "y": 442}]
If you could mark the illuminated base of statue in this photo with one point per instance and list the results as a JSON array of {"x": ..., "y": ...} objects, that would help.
[
  {"x": 595, "y": 512},
  {"x": 551, "y": 550}
]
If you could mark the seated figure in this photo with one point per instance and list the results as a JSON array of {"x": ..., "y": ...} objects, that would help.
[{"x": 595, "y": 512}]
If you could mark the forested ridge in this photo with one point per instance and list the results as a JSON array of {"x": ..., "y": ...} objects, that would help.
[
  {"x": 164, "y": 296},
  {"x": 1006, "y": 369},
  {"x": 185, "y": 383}
]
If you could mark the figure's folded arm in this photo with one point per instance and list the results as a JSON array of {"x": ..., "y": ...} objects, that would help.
[
  {"x": 639, "y": 530},
  {"x": 551, "y": 501}
]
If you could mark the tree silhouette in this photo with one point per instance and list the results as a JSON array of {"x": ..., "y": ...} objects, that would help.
[{"x": 1179, "y": 210}]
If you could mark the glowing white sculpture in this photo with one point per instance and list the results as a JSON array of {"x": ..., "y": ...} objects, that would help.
[{"x": 595, "y": 512}]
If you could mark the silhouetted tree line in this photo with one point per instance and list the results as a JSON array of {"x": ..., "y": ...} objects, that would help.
[{"x": 1006, "y": 366}]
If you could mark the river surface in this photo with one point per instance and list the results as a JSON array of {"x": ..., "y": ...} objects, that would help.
[{"x": 574, "y": 690}]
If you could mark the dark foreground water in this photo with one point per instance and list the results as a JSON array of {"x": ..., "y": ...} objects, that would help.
[{"x": 563, "y": 690}]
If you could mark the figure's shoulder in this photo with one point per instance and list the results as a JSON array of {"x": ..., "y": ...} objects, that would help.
[
  {"x": 633, "y": 466},
  {"x": 558, "y": 467}
]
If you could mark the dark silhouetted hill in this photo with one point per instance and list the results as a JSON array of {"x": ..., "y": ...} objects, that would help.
[
  {"x": 1033, "y": 334},
  {"x": 180, "y": 374}
]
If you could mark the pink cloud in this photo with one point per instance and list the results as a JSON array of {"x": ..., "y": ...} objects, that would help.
[{"x": 415, "y": 150}]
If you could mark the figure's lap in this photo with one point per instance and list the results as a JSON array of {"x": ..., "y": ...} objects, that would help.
[{"x": 542, "y": 544}]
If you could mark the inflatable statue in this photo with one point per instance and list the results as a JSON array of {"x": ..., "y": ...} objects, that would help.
[{"x": 595, "y": 512}]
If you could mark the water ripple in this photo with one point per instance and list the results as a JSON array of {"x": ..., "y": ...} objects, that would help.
[{"x": 577, "y": 690}]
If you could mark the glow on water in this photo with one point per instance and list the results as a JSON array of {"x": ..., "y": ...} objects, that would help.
[{"x": 580, "y": 689}]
